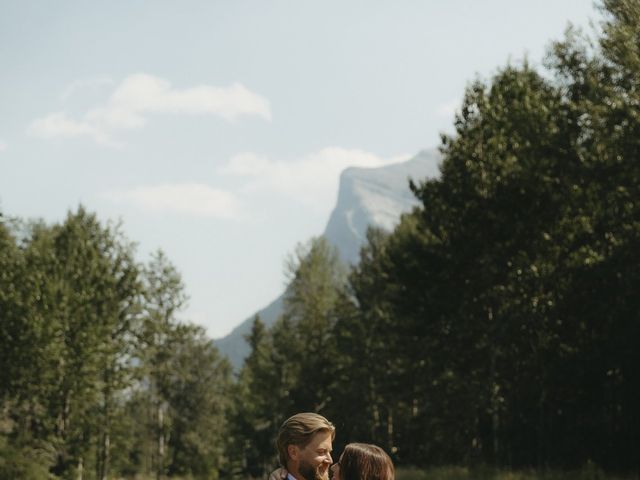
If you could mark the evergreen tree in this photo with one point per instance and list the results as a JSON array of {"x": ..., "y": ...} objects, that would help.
[
  {"x": 317, "y": 280},
  {"x": 197, "y": 396}
]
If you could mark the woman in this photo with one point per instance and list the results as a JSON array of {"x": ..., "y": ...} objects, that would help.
[{"x": 363, "y": 461}]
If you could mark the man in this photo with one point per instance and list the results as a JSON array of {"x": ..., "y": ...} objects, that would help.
[{"x": 304, "y": 448}]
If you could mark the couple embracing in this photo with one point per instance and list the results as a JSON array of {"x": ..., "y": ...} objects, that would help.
[{"x": 304, "y": 448}]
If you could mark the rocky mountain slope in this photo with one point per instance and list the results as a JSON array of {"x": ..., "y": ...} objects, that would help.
[{"x": 366, "y": 197}]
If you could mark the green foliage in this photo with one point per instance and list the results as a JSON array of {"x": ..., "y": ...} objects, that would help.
[
  {"x": 496, "y": 327},
  {"x": 588, "y": 472},
  {"x": 260, "y": 398},
  {"x": 290, "y": 367},
  {"x": 496, "y": 324},
  {"x": 91, "y": 352},
  {"x": 21, "y": 462},
  {"x": 181, "y": 399},
  {"x": 72, "y": 307},
  {"x": 197, "y": 395},
  {"x": 318, "y": 279}
]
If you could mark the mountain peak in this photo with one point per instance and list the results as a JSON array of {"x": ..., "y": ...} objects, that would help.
[
  {"x": 374, "y": 197},
  {"x": 366, "y": 197}
]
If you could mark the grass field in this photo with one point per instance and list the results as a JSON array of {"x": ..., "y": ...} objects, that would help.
[{"x": 588, "y": 472}]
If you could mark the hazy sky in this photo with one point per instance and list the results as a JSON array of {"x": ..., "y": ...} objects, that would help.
[{"x": 216, "y": 130}]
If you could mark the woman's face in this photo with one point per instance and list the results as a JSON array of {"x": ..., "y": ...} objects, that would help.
[{"x": 335, "y": 470}]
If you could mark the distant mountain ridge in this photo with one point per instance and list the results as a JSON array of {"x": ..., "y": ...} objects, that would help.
[
  {"x": 374, "y": 197},
  {"x": 366, "y": 197}
]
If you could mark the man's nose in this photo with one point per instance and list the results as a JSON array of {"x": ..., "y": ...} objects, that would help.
[{"x": 327, "y": 458}]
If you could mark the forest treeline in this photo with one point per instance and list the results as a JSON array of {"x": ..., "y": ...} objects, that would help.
[
  {"x": 498, "y": 324},
  {"x": 98, "y": 378}
]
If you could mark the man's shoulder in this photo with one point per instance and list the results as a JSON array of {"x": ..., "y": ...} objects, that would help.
[{"x": 281, "y": 474}]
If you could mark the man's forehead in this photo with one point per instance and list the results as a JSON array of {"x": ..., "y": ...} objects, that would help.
[{"x": 321, "y": 438}]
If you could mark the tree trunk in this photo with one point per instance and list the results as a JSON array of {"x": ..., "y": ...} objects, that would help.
[
  {"x": 494, "y": 396},
  {"x": 390, "y": 441},
  {"x": 161, "y": 446},
  {"x": 106, "y": 456},
  {"x": 80, "y": 468},
  {"x": 105, "y": 439}
]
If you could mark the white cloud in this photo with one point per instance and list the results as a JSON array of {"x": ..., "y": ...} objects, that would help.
[
  {"x": 85, "y": 83},
  {"x": 312, "y": 179},
  {"x": 193, "y": 199},
  {"x": 145, "y": 93},
  {"x": 3, "y": 146},
  {"x": 59, "y": 125},
  {"x": 247, "y": 164},
  {"x": 141, "y": 95},
  {"x": 448, "y": 109}
]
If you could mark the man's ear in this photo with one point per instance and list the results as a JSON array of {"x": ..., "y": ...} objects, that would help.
[{"x": 293, "y": 452}]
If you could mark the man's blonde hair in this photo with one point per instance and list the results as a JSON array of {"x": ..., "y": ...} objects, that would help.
[{"x": 299, "y": 430}]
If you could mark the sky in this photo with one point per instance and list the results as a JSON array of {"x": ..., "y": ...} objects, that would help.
[{"x": 217, "y": 130}]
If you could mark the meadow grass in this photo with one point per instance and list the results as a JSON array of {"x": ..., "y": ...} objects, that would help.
[{"x": 589, "y": 472}]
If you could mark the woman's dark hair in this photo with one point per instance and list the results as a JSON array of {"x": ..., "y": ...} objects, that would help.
[{"x": 363, "y": 461}]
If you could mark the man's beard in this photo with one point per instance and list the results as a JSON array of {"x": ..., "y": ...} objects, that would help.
[{"x": 309, "y": 473}]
